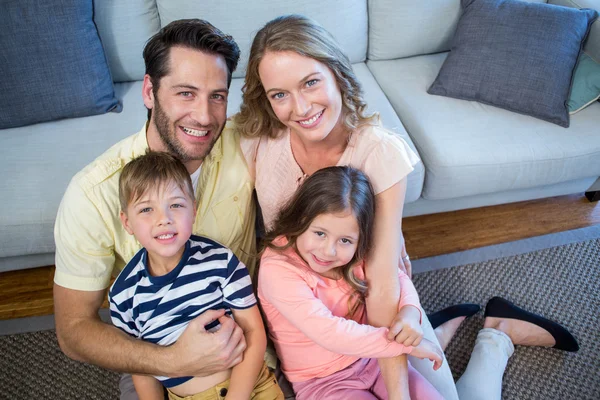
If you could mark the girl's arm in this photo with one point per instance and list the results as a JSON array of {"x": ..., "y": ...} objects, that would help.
[
  {"x": 148, "y": 387},
  {"x": 244, "y": 375},
  {"x": 283, "y": 286},
  {"x": 406, "y": 326},
  {"x": 382, "y": 275}
]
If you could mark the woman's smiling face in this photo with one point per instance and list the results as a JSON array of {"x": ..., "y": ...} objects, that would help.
[{"x": 303, "y": 93}]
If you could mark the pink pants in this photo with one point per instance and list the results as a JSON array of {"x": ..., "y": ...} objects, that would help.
[{"x": 361, "y": 381}]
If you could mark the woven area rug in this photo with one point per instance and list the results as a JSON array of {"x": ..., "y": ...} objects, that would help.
[{"x": 562, "y": 283}]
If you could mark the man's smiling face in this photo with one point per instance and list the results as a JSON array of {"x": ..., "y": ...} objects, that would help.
[{"x": 189, "y": 108}]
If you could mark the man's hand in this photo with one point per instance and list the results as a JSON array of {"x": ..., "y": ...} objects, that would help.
[
  {"x": 427, "y": 349},
  {"x": 406, "y": 327},
  {"x": 201, "y": 353}
]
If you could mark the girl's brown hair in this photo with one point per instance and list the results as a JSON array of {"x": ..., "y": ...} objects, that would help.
[
  {"x": 307, "y": 38},
  {"x": 331, "y": 190}
]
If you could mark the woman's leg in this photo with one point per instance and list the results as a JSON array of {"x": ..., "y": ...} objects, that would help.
[
  {"x": 482, "y": 379},
  {"x": 441, "y": 379}
]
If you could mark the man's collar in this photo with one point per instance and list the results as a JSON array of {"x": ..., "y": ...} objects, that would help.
[{"x": 140, "y": 142}]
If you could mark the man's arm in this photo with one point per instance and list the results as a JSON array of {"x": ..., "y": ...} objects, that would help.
[
  {"x": 82, "y": 336},
  {"x": 244, "y": 375}
]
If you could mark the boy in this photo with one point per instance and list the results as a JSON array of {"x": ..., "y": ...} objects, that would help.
[{"x": 177, "y": 276}]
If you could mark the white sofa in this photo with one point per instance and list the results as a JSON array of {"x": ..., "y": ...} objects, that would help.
[{"x": 473, "y": 154}]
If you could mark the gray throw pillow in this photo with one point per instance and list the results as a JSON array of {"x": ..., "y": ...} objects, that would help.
[
  {"x": 515, "y": 55},
  {"x": 52, "y": 64}
]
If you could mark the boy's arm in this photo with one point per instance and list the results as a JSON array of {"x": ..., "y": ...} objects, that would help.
[
  {"x": 148, "y": 388},
  {"x": 196, "y": 353},
  {"x": 244, "y": 375}
]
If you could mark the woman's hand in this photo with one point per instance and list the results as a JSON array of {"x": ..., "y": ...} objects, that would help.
[{"x": 406, "y": 327}]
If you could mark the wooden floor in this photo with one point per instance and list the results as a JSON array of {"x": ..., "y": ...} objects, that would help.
[{"x": 29, "y": 292}]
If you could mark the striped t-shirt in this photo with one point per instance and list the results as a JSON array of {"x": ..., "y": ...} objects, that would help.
[{"x": 157, "y": 309}]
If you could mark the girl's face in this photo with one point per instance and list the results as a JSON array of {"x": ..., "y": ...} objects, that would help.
[
  {"x": 303, "y": 94},
  {"x": 329, "y": 243}
]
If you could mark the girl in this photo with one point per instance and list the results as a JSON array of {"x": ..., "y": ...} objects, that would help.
[{"x": 311, "y": 288}]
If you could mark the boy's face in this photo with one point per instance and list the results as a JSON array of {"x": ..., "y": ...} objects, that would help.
[{"x": 161, "y": 220}]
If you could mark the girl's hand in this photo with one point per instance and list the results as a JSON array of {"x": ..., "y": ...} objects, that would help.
[
  {"x": 429, "y": 350},
  {"x": 406, "y": 327}
]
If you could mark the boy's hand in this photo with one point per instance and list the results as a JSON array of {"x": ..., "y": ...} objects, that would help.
[
  {"x": 406, "y": 327},
  {"x": 427, "y": 349}
]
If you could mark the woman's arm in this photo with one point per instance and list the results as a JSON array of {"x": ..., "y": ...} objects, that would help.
[
  {"x": 381, "y": 272},
  {"x": 244, "y": 375}
]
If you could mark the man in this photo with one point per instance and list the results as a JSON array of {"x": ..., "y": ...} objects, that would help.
[{"x": 188, "y": 72}]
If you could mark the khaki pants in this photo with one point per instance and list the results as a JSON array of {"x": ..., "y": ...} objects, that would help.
[{"x": 266, "y": 388}]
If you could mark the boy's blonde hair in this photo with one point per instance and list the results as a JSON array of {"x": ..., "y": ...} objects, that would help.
[
  {"x": 152, "y": 170},
  {"x": 307, "y": 38}
]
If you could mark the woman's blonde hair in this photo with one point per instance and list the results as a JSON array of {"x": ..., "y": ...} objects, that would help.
[{"x": 307, "y": 38}]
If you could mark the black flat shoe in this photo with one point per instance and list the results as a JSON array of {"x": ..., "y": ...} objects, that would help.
[
  {"x": 501, "y": 308},
  {"x": 458, "y": 310}
]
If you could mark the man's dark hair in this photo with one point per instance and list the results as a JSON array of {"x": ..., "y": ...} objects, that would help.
[{"x": 195, "y": 34}]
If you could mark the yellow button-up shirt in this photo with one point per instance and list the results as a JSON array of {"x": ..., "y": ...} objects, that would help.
[{"x": 91, "y": 243}]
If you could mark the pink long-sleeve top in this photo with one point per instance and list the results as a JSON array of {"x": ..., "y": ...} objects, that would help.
[{"x": 307, "y": 317}]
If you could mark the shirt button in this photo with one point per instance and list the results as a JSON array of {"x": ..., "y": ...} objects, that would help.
[
  {"x": 223, "y": 392},
  {"x": 235, "y": 198}
]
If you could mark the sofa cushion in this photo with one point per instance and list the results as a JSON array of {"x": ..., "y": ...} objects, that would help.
[
  {"x": 586, "y": 80},
  {"x": 124, "y": 27},
  {"x": 53, "y": 64},
  {"x": 470, "y": 148},
  {"x": 346, "y": 20},
  {"x": 586, "y": 84},
  {"x": 38, "y": 161},
  {"x": 515, "y": 55},
  {"x": 405, "y": 28}
]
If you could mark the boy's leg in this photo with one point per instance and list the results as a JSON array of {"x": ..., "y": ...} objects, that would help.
[
  {"x": 266, "y": 387},
  {"x": 441, "y": 379}
]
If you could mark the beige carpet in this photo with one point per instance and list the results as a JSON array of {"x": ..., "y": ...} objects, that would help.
[{"x": 562, "y": 283}]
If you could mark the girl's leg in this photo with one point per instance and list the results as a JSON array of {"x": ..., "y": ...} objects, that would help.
[
  {"x": 482, "y": 379},
  {"x": 442, "y": 378},
  {"x": 419, "y": 387},
  {"x": 353, "y": 382}
]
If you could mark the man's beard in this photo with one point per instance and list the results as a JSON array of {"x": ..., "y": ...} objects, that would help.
[{"x": 167, "y": 132}]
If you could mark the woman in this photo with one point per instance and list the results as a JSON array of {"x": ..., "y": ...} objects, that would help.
[
  {"x": 302, "y": 111},
  {"x": 310, "y": 112}
]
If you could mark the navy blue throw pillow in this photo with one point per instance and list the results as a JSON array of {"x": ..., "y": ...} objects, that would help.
[
  {"x": 52, "y": 64},
  {"x": 515, "y": 55}
]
